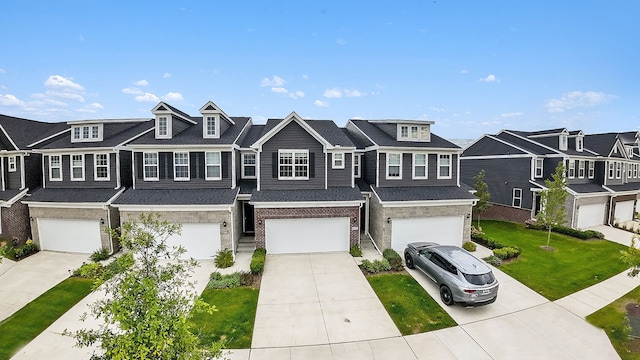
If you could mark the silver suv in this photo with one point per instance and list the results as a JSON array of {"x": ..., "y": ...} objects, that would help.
[{"x": 462, "y": 277}]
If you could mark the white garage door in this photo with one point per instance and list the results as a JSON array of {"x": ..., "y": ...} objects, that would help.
[
  {"x": 591, "y": 215},
  {"x": 201, "y": 241},
  {"x": 286, "y": 236},
  {"x": 439, "y": 229},
  {"x": 81, "y": 236},
  {"x": 624, "y": 210}
]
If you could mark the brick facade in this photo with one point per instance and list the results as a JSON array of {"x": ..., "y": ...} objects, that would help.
[
  {"x": 352, "y": 212},
  {"x": 505, "y": 213},
  {"x": 15, "y": 223}
]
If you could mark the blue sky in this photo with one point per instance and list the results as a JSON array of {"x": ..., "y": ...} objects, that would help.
[{"x": 473, "y": 67}]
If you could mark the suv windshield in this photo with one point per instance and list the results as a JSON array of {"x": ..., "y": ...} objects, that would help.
[{"x": 480, "y": 279}]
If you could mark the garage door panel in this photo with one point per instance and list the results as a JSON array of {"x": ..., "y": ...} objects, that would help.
[
  {"x": 81, "y": 236},
  {"x": 288, "y": 236},
  {"x": 624, "y": 210},
  {"x": 440, "y": 229},
  {"x": 201, "y": 241},
  {"x": 591, "y": 215}
]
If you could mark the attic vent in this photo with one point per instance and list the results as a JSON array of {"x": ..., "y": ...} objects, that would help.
[
  {"x": 162, "y": 108},
  {"x": 210, "y": 108}
]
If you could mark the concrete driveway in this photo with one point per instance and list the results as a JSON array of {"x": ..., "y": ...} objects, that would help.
[
  {"x": 23, "y": 281},
  {"x": 317, "y": 299}
]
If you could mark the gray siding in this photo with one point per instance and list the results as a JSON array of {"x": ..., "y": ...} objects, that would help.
[
  {"x": 369, "y": 161},
  {"x": 407, "y": 172},
  {"x": 340, "y": 177},
  {"x": 12, "y": 178},
  {"x": 88, "y": 174},
  {"x": 292, "y": 137},
  {"x": 33, "y": 170},
  {"x": 126, "y": 168}
]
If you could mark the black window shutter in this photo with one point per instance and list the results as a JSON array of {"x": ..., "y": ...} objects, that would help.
[
  {"x": 169, "y": 165},
  {"x": 162, "y": 165},
  {"x": 224, "y": 160},
  {"x": 274, "y": 165},
  {"x": 139, "y": 166},
  {"x": 193, "y": 165},
  {"x": 312, "y": 165},
  {"x": 202, "y": 165}
]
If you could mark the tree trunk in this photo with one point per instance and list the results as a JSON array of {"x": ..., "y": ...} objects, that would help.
[{"x": 548, "y": 235}]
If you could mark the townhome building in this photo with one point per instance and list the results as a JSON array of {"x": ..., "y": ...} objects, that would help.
[{"x": 84, "y": 168}]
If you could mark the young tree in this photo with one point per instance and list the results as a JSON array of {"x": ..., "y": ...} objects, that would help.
[
  {"x": 483, "y": 195},
  {"x": 145, "y": 312},
  {"x": 552, "y": 209},
  {"x": 631, "y": 257}
]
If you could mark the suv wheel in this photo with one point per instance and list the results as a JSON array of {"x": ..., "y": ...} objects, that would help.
[
  {"x": 445, "y": 295},
  {"x": 408, "y": 260}
]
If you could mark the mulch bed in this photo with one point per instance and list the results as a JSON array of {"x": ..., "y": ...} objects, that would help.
[{"x": 633, "y": 314}]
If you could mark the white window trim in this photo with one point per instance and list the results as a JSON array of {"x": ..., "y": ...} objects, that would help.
[
  {"x": 334, "y": 160},
  {"x": 562, "y": 139},
  {"x": 206, "y": 165},
  {"x": 579, "y": 144},
  {"x": 71, "y": 167},
  {"x": 581, "y": 169},
  {"x": 399, "y": 177},
  {"x": 168, "y": 134},
  {"x": 440, "y": 176},
  {"x": 255, "y": 166},
  {"x": 426, "y": 166},
  {"x": 175, "y": 167},
  {"x": 635, "y": 170},
  {"x": 12, "y": 163},
  {"x": 77, "y": 136},
  {"x": 97, "y": 134},
  {"x": 357, "y": 166},
  {"x": 514, "y": 198},
  {"x": 611, "y": 173},
  {"x": 538, "y": 170},
  {"x": 216, "y": 126},
  {"x": 293, "y": 165},
  {"x": 51, "y": 167},
  {"x": 592, "y": 169},
  {"x": 572, "y": 169},
  {"x": 618, "y": 170},
  {"x": 145, "y": 165},
  {"x": 95, "y": 167}
]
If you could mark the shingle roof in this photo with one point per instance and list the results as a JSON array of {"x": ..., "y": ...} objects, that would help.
[
  {"x": 587, "y": 188},
  {"x": 527, "y": 144},
  {"x": 539, "y": 132},
  {"x": 177, "y": 197},
  {"x": 359, "y": 141},
  {"x": 81, "y": 195},
  {"x": 423, "y": 193},
  {"x": 9, "y": 194},
  {"x": 253, "y": 134},
  {"x": 23, "y": 131},
  {"x": 330, "y": 132},
  {"x": 331, "y": 194},
  {"x": 193, "y": 135},
  {"x": 114, "y": 133},
  {"x": 382, "y": 138},
  {"x": 247, "y": 186},
  {"x": 489, "y": 145},
  {"x": 632, "y": 186},
  {"x": 602, "y": 144}
]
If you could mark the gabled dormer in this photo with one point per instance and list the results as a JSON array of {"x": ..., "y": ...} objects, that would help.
[
  {"x": 86, "y": 131},
  {"x": 579, "y": 140},
  {"x": 170, "y": 121},
  {"x": 213, "y": 120},
  {"x": 413, "y": 130},
  {"x": 563, "y": 140}
]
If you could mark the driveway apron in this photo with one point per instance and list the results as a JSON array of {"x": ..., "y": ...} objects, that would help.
[{"x": 317, "y": 299}]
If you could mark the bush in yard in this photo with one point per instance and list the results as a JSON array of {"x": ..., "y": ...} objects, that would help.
[
  {"x": 28, "y": 248},
  {"x": 257, "y": 261},
  {"x": 507, "y": 252},
  {"x": 394, "y": 259},
  {"x": 224, "y": 259},
  {"x": 90, "y": 271},
  {"x": 99, "y": 255},
  {"x": 485, "y": 240},
  {"x": 355, "y": 251},
  {"x": 493, "y": 260},
  {"x": 219, "y": 281},
  {"x": 469, "y": 246},
  {"x": 375, "y": 266},
  {"x": 246, "y": 278}
]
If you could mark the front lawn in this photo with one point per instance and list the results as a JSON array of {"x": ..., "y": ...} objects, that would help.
[
  {"x": 233, "y": 322},
  {"x": 409, "y": 305},
  {"x": 27, "y": 323},
  {"x": 612, "y": 318},
  {"x": 574, "y": 265}
]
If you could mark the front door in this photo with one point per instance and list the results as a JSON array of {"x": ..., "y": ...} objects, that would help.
[{"x": 248, "y": 223}]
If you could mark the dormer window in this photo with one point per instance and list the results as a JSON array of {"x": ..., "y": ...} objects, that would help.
[
  {"x": 563, "y": 142},
  {"x": 579, "y": 144},
  {"x": 410, "y": 132},
  {"x": 630, "y": 151},
  {"x": 163, "y": 127},
  {"x": 86, "y": 133},
  {"x": 211, "y": 126}
]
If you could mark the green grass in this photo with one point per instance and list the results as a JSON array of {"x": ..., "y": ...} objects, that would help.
[
  {"x": 24, "y": 325},
  {"x": 409, "y": 305},
  {"x": 233, "y": 322},
  {"x": 574, "y": 265},
  {"x": 612, "y": 318}
]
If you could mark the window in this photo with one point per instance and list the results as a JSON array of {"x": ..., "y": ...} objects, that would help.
[
  {"x": 55, "y": 167},
  {"x": 611, "y": 169},
  {"x": 293, "y": 165},
  {"x": 394, "y": 168},
  {"x": 404, "y": 132},
  {"x": 629, "y": 171},
  {"x": 162, "y": 126},
  {"x": 150, "y": 166},
  {"x": 76, "y": 133},
  {"x": 249, "y": 165},
  {"x": 539, "y": 167},
  {"x": 572, "y": 169},
  {"x": 420, "y": 166},
  {"x": 12, "y": 163},
  {"x": 101, "y": 167},
  {"x": 77, "y": 167},
  {"x": 444, "y": 166},
  {"x": 618, "y": 170},
  {"x": 581, "y": 169},
  {"x": 357, "y": 168},
  {"x": 213, "y": 162},
  {"x": 592, "y": 166},
  {"x": 95, "y": 131},
  {"x": 211, "y": 125},
  {"x": 517, "y": 198},
  {"x": 579, "y": 143},
  {"x": 635, "y": 170},
  {"x": 338, "y": 160},
  {"x": 85, "y": 132},
  {"x": 563, "y": 142},
  {"x": 181, "y": 166},
  {"x": 414, "y": 132}
]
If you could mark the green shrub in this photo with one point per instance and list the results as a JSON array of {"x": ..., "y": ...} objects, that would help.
[
  {"x": 355, "y": 251},
  {"x": 375, "y": 266},
  {"x": 219, "y": 281},
  {"x": 257, "y": 261},
  {"x": 91, "y": 270},
  {"x": 118, "y": 266},
  {"x": 485, "y": 240},
  {"x": 99, "y": 255},
  {"x": 224, "y": 259},
  {"x": 28, "y": 248},
  {"x": 394, "y": 259},
  {"x": 469, "y": 246},
  {"x": 246, "y": 278},
  {"x": 584, "y": 235},
  {"x": 493, "y": 260},
  {"x": 507, "y": 252}
]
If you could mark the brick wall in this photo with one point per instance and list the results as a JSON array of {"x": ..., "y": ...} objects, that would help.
[
  {"x": 505, "y": 213},
  {"x": 304, "y": 213},
  {"x": 15, "y": 223}
]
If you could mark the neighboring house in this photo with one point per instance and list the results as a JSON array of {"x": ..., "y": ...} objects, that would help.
[
  {"x": 84, "y": 168},
  {"x": 411, "y": 183},
  {"x": 20, "y": 171},
  {"x": 516, "y": 163}
]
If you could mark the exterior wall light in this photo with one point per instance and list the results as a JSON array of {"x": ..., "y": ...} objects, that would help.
[
  {"x": 224, "y": 224},
  {"x": 388, "y": 220}
]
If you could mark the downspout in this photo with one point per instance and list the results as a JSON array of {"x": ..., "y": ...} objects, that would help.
[
  {"x": 44, "y": 183},
  {"x": 231, "y": 224},
  {"x": 610, "y": 209},
  {"x": 23, "y": 180},
  {"x": 573, "y": 216},
  {"x": 2, "y": 170}
]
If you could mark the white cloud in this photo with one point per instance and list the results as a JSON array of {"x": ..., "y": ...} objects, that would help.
[
  {"x": 10, "y": 100},
  {"x": 65, "y": 95},
  {"x": 320, "y": 103},
  {"x": 578, "y": 99},
  {"x": 305, "y": 76},
  {"x": 296, "y": 94},
  {"x": 132, "y": 91},
  {"x": 341, "y": 42},
  {"x": 142, "y": 82},
  {"x": 279, "y": 90},
  {"x": 166, "y": 75},
  {"x": 352, "y": 93},
  {"x": 58, "y": 81},
  {"x": 464, "y": 71},
  {"x": 490, "y": 79},
  {"x": 3, "y": 71},
  {"x": 437, "y": 109},
  {"x": 147, "y": 97},
  {"x": 96, "y": 105},
  {"x": 511, "y": 114},
  {"x": 275, "y": 81},
  {"x": 333, "y": 93},
  {"x": 173, "y": 96}
]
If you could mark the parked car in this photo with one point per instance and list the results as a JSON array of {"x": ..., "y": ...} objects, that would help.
[{"x": 462, "y": 277}]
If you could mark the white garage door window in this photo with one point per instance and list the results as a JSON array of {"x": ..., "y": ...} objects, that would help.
[
  {"x": 439, "y": 229},
  {"x": 201, "y": 241},
  {"x": 624, "y": 211},
  {"x": 81, "y": 236},
  {"x": 287, "y": 236},
  {"x": 591, "y": 215}
]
